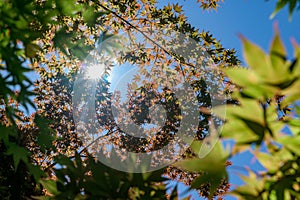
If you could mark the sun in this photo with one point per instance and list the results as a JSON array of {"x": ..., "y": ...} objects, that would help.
[{"x": 95, "y": 71}]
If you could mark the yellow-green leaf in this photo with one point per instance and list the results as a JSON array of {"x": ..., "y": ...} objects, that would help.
[
  {"x": 292, "y": 143},
  {"x": 270, "y": 162},
  {"x": 278, "y": 53},
  {"x": 242, "y": 76},
  {"x": 257, "y": 60}
]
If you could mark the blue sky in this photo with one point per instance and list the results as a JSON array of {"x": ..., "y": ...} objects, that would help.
[
  {"x": 251, "y": 19},
  {"x": 247, "y": 17}
]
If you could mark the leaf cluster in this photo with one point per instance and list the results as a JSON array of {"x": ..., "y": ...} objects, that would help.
[
  {"x": 267, "y": 115},
  {"x": 41, "y": 152}
]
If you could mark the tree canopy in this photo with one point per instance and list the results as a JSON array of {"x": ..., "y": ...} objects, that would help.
[{"x": 45, "y": 49}]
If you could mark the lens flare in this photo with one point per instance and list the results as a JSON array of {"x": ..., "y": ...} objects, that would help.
[{"x": 95, "y": 71}]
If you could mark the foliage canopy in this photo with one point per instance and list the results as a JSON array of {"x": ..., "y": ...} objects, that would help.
[{"x": 42, "y": 47}]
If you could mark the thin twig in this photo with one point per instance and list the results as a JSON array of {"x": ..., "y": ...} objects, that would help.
[{"x": 147, "y": 37}]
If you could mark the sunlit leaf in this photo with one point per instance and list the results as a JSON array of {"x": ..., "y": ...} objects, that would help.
[
  {"x": 291, "y": 142},
  {"x": 270, "y": 162},
  {"x": 212, "y": 166},
  {"x": 238, "y": 131},
  {"x": 242, "y": 76},
  {"x": 257, "y": 59},
  {"x": 278, "y": 53}
]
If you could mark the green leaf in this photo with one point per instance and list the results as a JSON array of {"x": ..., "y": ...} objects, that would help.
[
  {"x": 295, "y": 65},
  {"x": 90, "y": 16},
  {"x": 42, "y": 122},
  {"x": 297, "y": 109},
  {"x": 214, "y": 179},
  {"x": 292, "y": 6},
  {"x": 21, "y": 23},
  {"x": 245, "y": 110},
  {"x": 216, "y": 157},
  {"x": 278, "y": 52},
  {"x": 280, "y": 4},
  {"x": 155, "y": 176},
  {"x": 64, "y": 160},
  {"x": 254, "y": 186},
  {"x": 68, "y": 7},
  {"x": 294, "y": 122},
  {"x": 291, "y": 93},
  {"x": 18, "y": 153},
  {"x": 271, "y": 162},
  {"x": 62, "y": 40},
  {"x": 245, "y": 191},
  {"x": 36, "y": 172},
  {"x": 212, "y": 166},
  {"x": 286, "y": 83},
  {"x": 292, "y": 143},
  {"x": 253, "y": 85},
  {"x": 4, "y": 134},
  {"x": 253, "y": 180},
  {"x": 174, "y": 193},
  {"x": 257, "y": 60},
  {"x": 31, "y": 50},
  {"x": 42, "y": 198},
  {"x": 284, "y": 155},
  {"x": 50, "y": 186},
  {"x": 45, "y": 137},
  {"x": 257, "y": 128},
  {"x": 44, "y": 140},
  {"x": 237, "y": 130},
  {"x": 242, "y": 76}
]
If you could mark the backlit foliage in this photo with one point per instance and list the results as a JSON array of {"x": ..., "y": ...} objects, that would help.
[
  {"x": 210, "y": 4},
  {"x": 267, "y": 115},
  {"x": 291, "y": 4},
  {"x": 42, "y": 47},
  {"x": 43, "y": 44}
]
